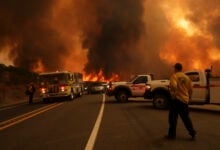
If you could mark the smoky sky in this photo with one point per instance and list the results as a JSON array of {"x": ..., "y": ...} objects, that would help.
[
  {"x": 208, "y": 12},
  {"x": 115, "y": 46},
  {"x": 23, "y": 23},
  {"x": 121, "y": 36}
]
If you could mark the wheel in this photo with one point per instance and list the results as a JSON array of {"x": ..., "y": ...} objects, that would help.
[
  {"x": 122, "y": 96},
  {"x": 160, "y": 101},
  {"x": 81, "y": 92},
  {"x": 72, "y": 96}
]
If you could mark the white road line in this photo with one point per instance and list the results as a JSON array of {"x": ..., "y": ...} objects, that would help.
[{"x": 92, "y": 138}]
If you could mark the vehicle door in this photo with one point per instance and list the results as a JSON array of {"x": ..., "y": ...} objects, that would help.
[
  {"x": 138, "y": 86},
  {"x": 214, "y": 90},
  {"x": 199, "y": 87}
]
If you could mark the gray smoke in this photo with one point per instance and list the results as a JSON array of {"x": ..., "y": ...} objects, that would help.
[
  {"x": 114, "y": 49},
  {"x": 24, "y": 23},
  {"x": 122, "y": 36}
]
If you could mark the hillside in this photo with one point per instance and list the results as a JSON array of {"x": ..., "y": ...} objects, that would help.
[{"x": 13, "y": 81}]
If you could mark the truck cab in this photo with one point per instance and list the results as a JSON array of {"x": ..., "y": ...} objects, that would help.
[
  {"x": 60, "y": 84},
  {"x": 136, "y": 87},
  {"x": 205, "y": 89},
  {"x": 200, "y": 86}
]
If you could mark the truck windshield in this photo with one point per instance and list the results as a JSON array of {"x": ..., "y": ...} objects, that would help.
[
  {"x": 53, "y": 79},
  {"x": 194, "y": 76},
  {"x": 133, "y": 78},
  {"x": 139, "y": 79}
]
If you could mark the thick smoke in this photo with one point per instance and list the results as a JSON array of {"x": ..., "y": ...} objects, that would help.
[
  {"x": 116, "y": 36},
  {"x": 115, "y": 48},
  {"x": 208, "y": 13},
  {"x": 25, "y": 25}
]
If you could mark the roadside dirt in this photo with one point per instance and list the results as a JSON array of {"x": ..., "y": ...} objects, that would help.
[{"x": 13, "y": 94}]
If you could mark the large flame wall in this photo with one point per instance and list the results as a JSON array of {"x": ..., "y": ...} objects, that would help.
[{"x": 120, "y": 37}]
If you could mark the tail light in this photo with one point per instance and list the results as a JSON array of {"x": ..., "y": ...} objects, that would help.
[
  {"x": 43, "y": 90},
  {"x": 62, "y": 88}
]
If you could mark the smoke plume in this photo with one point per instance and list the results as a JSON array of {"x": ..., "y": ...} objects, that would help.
[
  {"x": 115, "y": 47},
  {"x": 121, "y": 37},
  {"x": 25, "y": 28}
]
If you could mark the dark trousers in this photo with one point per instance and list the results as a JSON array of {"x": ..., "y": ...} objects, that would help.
[
  {"x": 179, "y": 108},
  {"x": 30, "y": 99}
]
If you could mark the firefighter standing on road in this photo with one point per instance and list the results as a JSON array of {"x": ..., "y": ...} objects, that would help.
[
  {"x": 181, "y": 92},
  {"x": 30, "y": 90}
]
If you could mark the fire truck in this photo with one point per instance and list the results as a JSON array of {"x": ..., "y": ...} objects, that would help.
[{"x": 60, "y": 84}]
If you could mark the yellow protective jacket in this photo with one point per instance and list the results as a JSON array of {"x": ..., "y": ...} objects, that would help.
[{"x": 180, "y": 87}]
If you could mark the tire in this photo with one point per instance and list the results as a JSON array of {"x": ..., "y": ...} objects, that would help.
[
  {"x": 81, "y": 92},
  {"x": 122, "y": 96},
  {"x": 160, "y": 101},
  {"x": 72, "y": 96}
]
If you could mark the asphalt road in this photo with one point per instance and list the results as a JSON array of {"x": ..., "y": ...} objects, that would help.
[{"x": 97, "y": 122}]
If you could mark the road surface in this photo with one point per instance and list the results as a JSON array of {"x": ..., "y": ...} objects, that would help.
[{"x": 99, "y": 122}]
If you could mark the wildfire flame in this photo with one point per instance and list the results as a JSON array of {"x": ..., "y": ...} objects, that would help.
[
  {"x": 100, "y": 77},
  {"x": 188, "y": 43},
  {"x": 78, "y": 35},
  {"x": 39, "y": 67}
]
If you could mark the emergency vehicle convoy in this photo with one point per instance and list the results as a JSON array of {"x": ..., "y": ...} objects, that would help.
[
  {"x": 205, "y": 89},
  {"x": 136, "y": 87},
  {"x": 60, "y": 84}
]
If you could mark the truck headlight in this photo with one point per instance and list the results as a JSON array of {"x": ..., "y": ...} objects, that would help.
[{"x": 148, "y": 87}]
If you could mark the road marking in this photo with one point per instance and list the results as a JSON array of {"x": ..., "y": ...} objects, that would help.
[
  {"x": 92, "y": 138},
  {"x": 12, "y": 106},
  {"x": 21, "y": 118}
]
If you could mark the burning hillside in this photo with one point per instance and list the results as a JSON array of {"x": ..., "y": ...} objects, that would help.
[{"x": 118, "y": 38}]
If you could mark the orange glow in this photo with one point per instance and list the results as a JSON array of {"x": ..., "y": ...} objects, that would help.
[
  {"x": 39, "y": 67},
  {"x": 5, "y": 54},
  {"x": 100, "y": 77},
  {"x": 214, "y": 54},
  {"x": 4, "y": 57},
  {"x": 76, "y": 58},
  {"x": 74, "y": 35},
  {"x": 187, "y": 43},
  {"x": 195, "y": 52},
  {"x": 186, "y": 26}
]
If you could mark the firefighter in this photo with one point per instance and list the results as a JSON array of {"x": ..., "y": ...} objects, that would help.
[
  {"x": 30, "y": 90},
  {"x": 181, "y": 92}
]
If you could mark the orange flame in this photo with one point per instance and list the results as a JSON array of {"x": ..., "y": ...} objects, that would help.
[
  {"x": 100, "y": 77},
  {"x": 187, "y": 42},
  {"x": 39, "y": 67}
]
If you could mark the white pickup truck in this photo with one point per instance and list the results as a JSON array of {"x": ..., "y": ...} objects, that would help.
[
  {"x": 136, "y": 87},
  {"x": 206, "y": 89}
]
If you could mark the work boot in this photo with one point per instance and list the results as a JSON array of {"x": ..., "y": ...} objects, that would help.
[{"x": 193, "y": 136}]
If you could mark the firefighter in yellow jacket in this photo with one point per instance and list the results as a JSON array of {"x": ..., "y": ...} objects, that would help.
[{"x": 181, "y": 92}]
